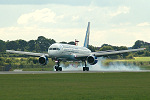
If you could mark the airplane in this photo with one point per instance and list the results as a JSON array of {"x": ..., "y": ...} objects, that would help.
[{"x": 66, "y": 52}]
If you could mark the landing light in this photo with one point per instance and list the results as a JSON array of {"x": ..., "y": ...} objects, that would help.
[{"x": 56, "y": 61}]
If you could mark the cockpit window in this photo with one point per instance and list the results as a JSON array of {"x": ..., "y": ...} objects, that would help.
[
  {"x": 54, "y": 49},
  {"x": 57, "y": 49}
]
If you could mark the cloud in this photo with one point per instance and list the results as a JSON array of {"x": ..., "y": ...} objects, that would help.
[
  {"x": 71, "y": 21},
  {"x": 67, "y": 14},
  {"x": 38, "y": 16},
  {"x": 40, "y": 2},
  {"x": 144, "y": 24},
  {"x": 117, "y": 36},
  {"x": 31, "y": 32},
  {"x": 121, "y": 24},
  {"x": 75, "y": 18},
  {"x": 120, "y": 10}
]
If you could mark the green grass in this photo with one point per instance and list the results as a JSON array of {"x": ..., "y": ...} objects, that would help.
[
  {"x": 135, "y": 59},
  {"x": 142, "y": 58},
  {"x": 76, "y": 86}
]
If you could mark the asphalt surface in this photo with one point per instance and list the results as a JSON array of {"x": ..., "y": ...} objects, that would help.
[{"x": 54, "y": 72}]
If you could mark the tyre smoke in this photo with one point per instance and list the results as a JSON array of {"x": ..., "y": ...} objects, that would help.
[
  {"x": 114, "y": 66},
  {"x": 72, "y": 67}
]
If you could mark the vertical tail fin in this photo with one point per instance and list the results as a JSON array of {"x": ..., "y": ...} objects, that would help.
[{"x": 86, "y": 41}]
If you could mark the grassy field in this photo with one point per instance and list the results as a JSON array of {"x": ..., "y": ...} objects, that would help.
[
  {"x": 135, "y": 59},
  {"x": 78, "y": 86},
  {"x": 142, "y": 58}
]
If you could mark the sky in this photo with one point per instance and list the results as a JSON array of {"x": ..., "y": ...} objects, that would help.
[{"x": 115, "y": 22}]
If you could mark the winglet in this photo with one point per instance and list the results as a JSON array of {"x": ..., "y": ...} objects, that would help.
[{"x": 86, "y": 41}]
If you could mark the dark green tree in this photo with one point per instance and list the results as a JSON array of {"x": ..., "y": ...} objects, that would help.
[
  {"x": 138, "y": 44},
  {"x": 31, "y": 45},
  {"x": 37, "y": 48},
  {"x": 11, "y": 45},
  {"x": 122, "y": 48},
  {"x": 72, "y": 43},
  {"x": 92, "y": 48},
  {"x": 104, "y": 48},
  {"x": 64, "y": 42},
  {"x": 146, "y": 53},
  {"x": 44, "y": 43},
  {"x": 105, "y": 45},
  {"x": 2, "y": 46},
  {"x": 21, "y": 44}
]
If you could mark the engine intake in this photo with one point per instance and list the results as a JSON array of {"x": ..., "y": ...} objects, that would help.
[
  {"x": 43, "y": 60},
  {"x": 92, "y": 60}
]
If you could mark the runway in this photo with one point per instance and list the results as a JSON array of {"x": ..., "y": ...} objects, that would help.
[{"x": 55, "y": 72}]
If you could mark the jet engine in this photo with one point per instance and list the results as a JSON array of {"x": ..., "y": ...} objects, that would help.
[
  {"x": 92, "y": 60},
  {"x": 43, "y": 60}
]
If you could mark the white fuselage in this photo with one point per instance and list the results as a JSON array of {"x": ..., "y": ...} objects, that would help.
[{"x": 66, "y": 51}]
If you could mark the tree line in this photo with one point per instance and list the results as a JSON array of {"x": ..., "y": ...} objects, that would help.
[
  {"x": 41, "y": 44},
  {"x": 137, "y": 44}
]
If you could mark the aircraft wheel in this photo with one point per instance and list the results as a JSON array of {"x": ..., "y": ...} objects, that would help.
[
  {"x": 60, "y": 68},
  {"x": 87, "y": 68},
  {"x": 56, "y": 68},
  {"x": 84, "y": 68}
]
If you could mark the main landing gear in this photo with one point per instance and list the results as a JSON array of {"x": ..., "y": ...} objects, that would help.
[
  {"x": 60, "y": 68},
  {"x": 57, "y": 66},
  {"x": 85, "y": 68}
]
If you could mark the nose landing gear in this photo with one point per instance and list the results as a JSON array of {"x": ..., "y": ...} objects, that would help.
[{"x": 57, "y": 66}]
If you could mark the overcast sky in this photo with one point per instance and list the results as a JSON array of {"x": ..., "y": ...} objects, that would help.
[{"x": 115, "y": 22}]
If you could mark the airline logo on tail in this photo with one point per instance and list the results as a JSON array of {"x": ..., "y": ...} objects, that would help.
[{"x": 86, "y": 41}]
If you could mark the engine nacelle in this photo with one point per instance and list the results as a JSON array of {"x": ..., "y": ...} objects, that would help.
[
  {"x": 43, "y": 60},
  {"x": 92, "y": 60}
]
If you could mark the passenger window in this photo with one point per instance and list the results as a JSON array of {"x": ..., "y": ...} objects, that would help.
[{"x": 54, "y": 49}]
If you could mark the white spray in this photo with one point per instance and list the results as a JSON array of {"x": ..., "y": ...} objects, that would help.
[
  {"x": 99, "y": 67},
  {"x": 113, "y": 66}
]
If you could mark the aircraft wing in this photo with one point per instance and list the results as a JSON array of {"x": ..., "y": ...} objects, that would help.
[
  {"x": 107, "y": 53},
  {"x": 27, "y": 53}
]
